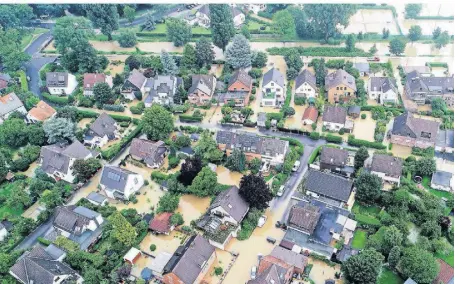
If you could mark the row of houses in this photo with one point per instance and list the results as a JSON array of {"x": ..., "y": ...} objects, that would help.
[{"x": 10, "y": 103}]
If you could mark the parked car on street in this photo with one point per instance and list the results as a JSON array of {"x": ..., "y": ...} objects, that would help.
[
  {"x": 262, "y": 221},
  {"x": 253, "y": 272},
  {"x": 280, "y": 191},
  {"x": 296, "y": 166},
  {"x": 271, "y": 240}
]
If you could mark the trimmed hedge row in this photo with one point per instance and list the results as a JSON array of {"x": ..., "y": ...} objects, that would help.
[
  {"x": 333, "y": 138},
  {"x": 386, "y": 108},
  {"x": 314, "y": 154},
  {"x": 359, "y": 143},
  {"x": 55, "y": 99},
  {"x": 117, "y": 108},
  {"x": 190, "y": 118},
  {"x": 319, "y": 51},
  {"x": 115, "y": 149}
]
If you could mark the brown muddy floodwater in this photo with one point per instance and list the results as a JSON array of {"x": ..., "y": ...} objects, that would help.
[
  {"x": 401, "y": 151},
  {"x": 364, "y": 128},
  {"x": 371, "y": 21},
  {"x": 322, "y": 271},
  {"x": 223, "y": 259},
  {"x": 192, "y": 207},
  {"x": 225, "y": 176},
  {"x": 163, "y": 243}
]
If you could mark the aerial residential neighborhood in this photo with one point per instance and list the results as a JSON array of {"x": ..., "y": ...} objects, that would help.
[{"x": 227, "y": 143}]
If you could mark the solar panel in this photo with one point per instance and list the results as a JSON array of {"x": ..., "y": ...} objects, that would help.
[{"x": 113, "y": 176}]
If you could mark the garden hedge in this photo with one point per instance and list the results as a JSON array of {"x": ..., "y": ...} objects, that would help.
[
  {"x": 359, "y": 143},
  {"x": 117, "y": 108},
  {"x": 319, "y": 51},
  {"x": 55, "y": 99},
  {"x": 190, "y": 118},
  {"x": 333, "y": 138},
  {"x": 115, "y": 149}
]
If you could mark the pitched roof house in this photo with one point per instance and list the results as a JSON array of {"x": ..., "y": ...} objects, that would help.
[
  {"x": 102, "y": 130},
  {"x": 162, "y": 89},
  {"x": 90, "y": 79},
  {"x": 57, "y": 159},
  {"x": 442, "y": 180},
  {"x": 445, "y": 141},
  {"x": 310, "y": 115},
  {"x": 151, "y": 153},
  {"x": 387, "y": 167},
  {"x": 334, "y": 117},
  {"x": 383, "y": 89},
  {"x": 329, "y": 188},
  {"x": 202, "y": 89},
  {"x": 134, "y": 84},
  {"x": 119, "y": 183},
  {"x": 273, "y": 92},
  {"x": 41, "y": 112},
  {"x": 421, "y": 89},
  {"x": 340, "y": 86},
  {"x": 333, "y": 158},
  {"x": 445, "y": 275},
  {"x": 202, "y": 17},
  {"x": 239, "y": 89},
  {"x": 414, "y": 132},
  {"x": 190, "y": 262},
  {"x": 160, "y": 224},
  {"x": 304, "y": 218},
  {"x": 363, "y": 68},
  {"x": 60, "y": 83},
  {"x": 39, "y": 266},
  {"x": 230, "y": 206},
  {"x": 305, "y": 85},
  {"x": 8, "y": 104},
  {"x": 96, "y": 198}
]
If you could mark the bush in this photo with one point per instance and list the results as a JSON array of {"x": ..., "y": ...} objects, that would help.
[
  {"x": 333, "y": 138},
  {"x": 363, "y": 116},
  {"x": 55, "y": 99},
  {"x": 255, "y": 73},
  {"x": 218, "y": 271},
  {"x": 314, "y": 154},
  {"x": 359, "y": 143},
  {"x": 127, "y": 39},
  {"x": 152, "y": 247},
  {"x": 190, "y": 118},
  {"x": 315, "y": 135},
  {"x": 173, "y": 162},
  {"x": 116, "y": 108},
  {"x": 85, "y": 102},
  {"x": 158, "y": 177},
  {"x": 428, "y": 152},
  {"x": 115, "y": 149},
  {"x": 299, "y": 101},
  {"x": 138, "y": 109},
  {"x": 319, "y": 51}
]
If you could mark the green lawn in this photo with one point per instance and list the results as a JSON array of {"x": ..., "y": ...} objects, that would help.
[
  {"x": 447, "y": 258},
  {"x": 366, "y": 214},
  {"x": 5, "y": 210},
  {"x": 360, "y": 239},
  {"x": 426, "y": 182},
  {"x": 387, "y": 276},
  {"x": 253, "y": 25},
  {"x": 161, "y": 28}
]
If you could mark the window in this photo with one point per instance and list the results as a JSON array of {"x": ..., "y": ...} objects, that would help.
[
  {"x": 268, "y": 90},
  {"x": 272, "y": 84},
  {"x": 345, "y": 88},
  {"x": 338, "y": 88}
]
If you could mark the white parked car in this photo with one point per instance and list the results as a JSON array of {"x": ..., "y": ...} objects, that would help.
[
  {"x": 280, "y": 191},
  {"x": 253, "y": 272},
  {"x": 296, "y": 166},
  {"x": 262, "y": 221}
]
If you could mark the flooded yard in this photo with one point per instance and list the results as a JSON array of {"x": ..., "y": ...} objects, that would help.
[
  {"x": 163, "y": 243},
  {"x": 401, "y": 151},
  {"x": 192, "y": 207},
  {"x": 371, "y": 21},
  {"x": 116, "y": 64},
  {"x": 225, "y": 176},
  {"x": 223, "y": 259},
  {"x": 364, "y": 128},
  {"x": 322, "y": 271}
]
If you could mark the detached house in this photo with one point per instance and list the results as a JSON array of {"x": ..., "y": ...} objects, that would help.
[
  {"x": 102, "y": 130},
  {"x": 60, "y": 83},
  {"x": 151, "y": 153},
  {"x": 340, "y": 86},
  {"x": 90, "y": 79},
  {"x": 363, "y": 68},
  {"x": 268, "y": 150},
  {"x": 79, "y": 224},
  {"x": 119, "y": 183},
  {"x": 388, "y": 168},
  {"x": 8, "y": 104},
  {"x": 41, "y": 266},
  {"x": 239, "y": 89},
  {"x": 135, "y": 84},
  {"x": 414, "y": 132},
  {"x": 40, "y": 113},
  {"x": 305, "y": 85},
  {"x": 336, "y": 161},
  {"x": 190, "y": 262},
  {"x": 57, "y": 159},
  {"x": 328, "y": 188},
  {"x": 161, "y": 223},
  {"x": 334, "y": 118},
  {"x": 202, "y": 89},
  {"x": 162, "y": 90},
  {"x": 445, "y": 141},
  {"x": 383, "y": 90},
  {"x": 273, "y": 88},
  {"x": 310, "y": 115},
  {"x": 202, "y": 17},
  {"x": 422, "y": 89}
]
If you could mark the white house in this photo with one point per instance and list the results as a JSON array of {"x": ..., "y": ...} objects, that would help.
[
  {"x": 102, "y": 130},
  {"x": 334, "y": 118},
  {"x": 202, "y": 17},
  {"x": 41, "y": 112},
  {"x": 162, "y": 89},
  {"x": 8, "y": 104},
  {"x": 119, "y": 183},
  {"x": 388, "y": 168},
  {"x": 57, "y": 159},
  {"x": 442, "y": 180},
  {"x": 60, "y": 83},
  {"x": 3, "y": 232},
  {"x": 229, "y": 206},
  {"x": 382, "y": 89},
  {"x": 256, "y": 8},
  {"x": 305, "y": 85},
  {"x": 273, "y": 88},
  {"x": 74, "y": 221},
  {"x": 134, "y": 84}
]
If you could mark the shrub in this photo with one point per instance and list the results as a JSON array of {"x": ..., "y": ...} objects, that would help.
[
  {"x": 127, "y": 39},
  {"x": 319, "y": 51},
  {"x": 359, "y": 143},
  {"x": 218, "y": 271},
  {"x": 116, "y": 108},
  {"x": 363, "y": 116},
  {"x": 152, "y": 247},
  {"x": 85, "y": 102},
  {"x": 55, "y": 99},
  {"x": 255, "y": 73},
  {"x": 173, "y": 162},
  {"x": 299, "y": 101},
  {"x": 333, "y": 138},
  {"x": 190, "y": 118},
  {"x": 314, "y": 135},
  {"x": 341, "y": 131}
]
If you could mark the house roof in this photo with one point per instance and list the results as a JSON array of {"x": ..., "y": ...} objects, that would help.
[
  {"x": 205, "y": 10},
  {"x": 161, "y": 222},
  {"x": 420, "y": 69},
  {"x": 445, "y": 275},
  {"x": 390, "y": 165},
  {"x": 274, "y": 267},
  {"x": 104, "y": 125},
  {"x": 90, "y": 79},
  {"x": 441, "y": 178},
  {"x": 334, "y": 156},
  {"x": 150, "y": 152},
  {"x": 409, "y": 126},
  {"x": 362, "y": 66},
  {"x": 445, "y": 138},
  {"x": 383, "y": 84},
  {"x": 270, "y": 276},
  {"x": 235, "y": 11},
  {"x": 334, "y": 114},
  {"x": 42, "y": 111},
  {"x": 409, "y": 281},
  {"x": 137, "y": 78},
  {"x": 72, "y": 218},
  {"x": 305, "y": 217},
  {"x": 38, "y": 266},
  {"x": 310, "y": 113},
  {"x": 329, "y": 185},
  {"x": 353, "y": 110},
  {"x": 305, "y": 76},
  {"x": 132, "y": 254},
  {"x": 231, "y": 201},
  {"x": 242, "y": 77},
  {"x": 203, "y": 83},
  {"x": 294, "y": 259},
  {"x": 418, "y": 83},
  {"x": 115, "y": 178},
  {"x": 9, "y": 103},
  {"x": 340, "y": 77},
  {"x": 56, "y": 157},
  {"x": 4, "y": 80},
  {"x": 57, "y": 79},
  {"x": 160, "y": 261},
  {"x": 163, "y": 84},
  {"x": 188, "y": 260},
  {"x": 273, "y": 75},
  {"x": 96, "y": 197},
  {"x": 54, "y": 251}
]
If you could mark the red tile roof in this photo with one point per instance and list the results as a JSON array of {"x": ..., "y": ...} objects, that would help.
[
  {"x": 445, "y": 273},
  {"x": 42, "y": 111},
  {"x": 310, "y": 113},
  {"x": 161, "y": 223},
  {"x": 90, "y": 79}
]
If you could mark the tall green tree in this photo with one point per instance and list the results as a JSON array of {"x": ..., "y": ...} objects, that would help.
[
  {"x": 59, "y": 129},
  {"x": 302, "y": 27},
  {"x": 103, "y": 94},
  {"x": 129, "y": 13},
  {"x": 363, "y": 267},
  {"x": 259, "y": 59},
  {"x": 442, "y": 40},
  {"x": 436, "y": 32},
  {"x": 368, "y": 187},
  {"x": 103, "y": 16},
  {"x": 204, "y": 52},
  {"x": 158, "y": 123},
  {"x": 178, "y": 31},
  {"x": 360, "y": 156},
  {"x": 11, "y": 55},
  {"x": 169, "y": 65},
  {"x": 222, "y": 24},
  {"x": 127, "y": 38},
  {"x": 236, "y": 161},
  {"x": 189, "y": 57},
  {"x": 350, "y": 42},
  {"x": 255, "y": 191},
  {"x": 294, "y": 63},
  {"x": 204, "y": 184},
  {"x": 283, "y": 23},
  {"x": 169, "y": 202},
  {"x": 397, "y": 46},
  {"x": 122, "y": 230},
  {"x": 415, "y": 33},
  {"x": 426, "y": 166},
  {"x": 13, "y": 133},
  {"x": 412, "y": 10},
  {"x": 207, "y": 148},
  {"x": 68, "y": 31},
  {"x": 85, "y": 169},
  {"x": 238, "y": 53},
  {"x": 418, "y": 265},
  {"x": 15, "y": 16}
]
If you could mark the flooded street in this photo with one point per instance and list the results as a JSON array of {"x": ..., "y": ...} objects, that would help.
[
  {"x": 364, "y": 128},
  {"x": 223, "y": 259}
]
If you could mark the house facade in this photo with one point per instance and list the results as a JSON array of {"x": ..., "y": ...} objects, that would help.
[
  {"x": 422, "y": 89},
  {"x": 134, "y": 84},
  {"x": 383, "y": 90},
  {"x": 414, "y": 132},
  {"x": 102, "y": 130},
  {"x": 9, "y": 104},
  {"x": 388, "y": 168},
  {"x": 60, "y": 83},
  {"x": 202, "y": 89},
  {"x": 334, "y": 118},
  {"x": 340, "y": 86},
  {"x": 305, "y": 85},
  {"x": 273, "y": 89},
  {"x": 90, "y": 79},
  {"x": 119, "y": 183},
  {"x": 162, "y": 89},
  {"x": 151, "y": 153},
  {"x": 40, "y": 113},
  {"x": 239, "y": 89}
]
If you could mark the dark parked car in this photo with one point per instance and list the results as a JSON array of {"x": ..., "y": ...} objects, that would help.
[{"x": 271, "y": 240}]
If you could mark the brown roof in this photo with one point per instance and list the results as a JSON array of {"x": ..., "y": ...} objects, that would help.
[
  {"x": 42, "y": 111},
  {"x": 305, "y": 218},
  {"x": 445, "y": 273},
  {"x": 407, "y": 125},
  {"x": 340, "y": 77},
  {"x": 90, "y": 79},
  {"x": 297, "y": 260},
  {"x": 161, "y": 222},
  {"x": 310, "y": 113},
  {"x": 241, "y": 76},
  {"x": 334, "y": 114},
  {"x": 390, "y": 165},
  {"x": 149, "y": 151},
  {"x": 334, "y": 156}
]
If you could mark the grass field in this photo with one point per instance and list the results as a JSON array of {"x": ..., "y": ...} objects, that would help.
[
  {"x": 161, "y": 28},
  {"x": 426, "y": 182},
  {"x": 366, "y": 214},
  {"x": 5, "y": 210},
  {"x": 360, "y": 239},
  {"x": 447, "y": 258},
  {"x": 387, "y": 276}
]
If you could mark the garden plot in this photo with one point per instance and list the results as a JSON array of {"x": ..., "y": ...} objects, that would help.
[{"x": 371, "y": 21}]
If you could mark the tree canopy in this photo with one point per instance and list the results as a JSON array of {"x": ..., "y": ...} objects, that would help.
[
  {"x": 368, "y": 187},
  {"x": 178, "y": 31},
  {"x": 419, "y": 265},
  {"x": 122, "y": 230},
  {"x": 363, "y": 267},
  {"x": 255, "y": 191},
  {"x": 238, "y": 53},
  {"x": 103, "y": 16},
  {"x": 397, "y": 46},
  {"x": 204, "y": 52},
  {"x": 59, "y": 129},
  {"x": 190, "y": 169},
  {"x": 207, "y": 148},
  {"x": 283, "y": 23},
  {"x": 204, "y": 184},
  {"x": 222, "y": 24},
  {"x": 415, "y": 33},
  {"x": 158, "y": 123}
]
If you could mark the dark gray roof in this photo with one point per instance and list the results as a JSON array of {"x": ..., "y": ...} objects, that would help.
[
  {"x": 38, "y": 266},
  {"x": 9, "y": 103},
  {"x": 72, "y": 219},
  {"x": 241, "y": 76},
  {"x": 292, "y": 258},
  {"x": 415, "y": 82},
  {"x": 115, "y": 178},
  {"x": 304, "y": 217},
  {"x": 354, "y": 110},
  {"x": 441, "y": 178},
  {"x": 150, "y": 152},
  {"x": 137, "y": 78},
  {"x": 187, "y": 150},
  {"x": 205, "y": 10},
  {"x": 390, "y": 165},
  {"x": 57, "y": 79},
  {"x": 271, "y": 275},
  {"x": 54, "y": 251},
  {"x": 204, "y": 83},
  {"x": 383, "y": 84},
  {"x": 445, "y": 138},
  {"x": 103, "y": 125},
  {"x": 231, "y": 201},
  {"x": 305, "y": 76},
  {"x": 56, "y": 157},
  {"x": 273, "y": 75},
  {"x": 408, "y": 126},
  {"x": 362, "y": 66},
  {"x": 345, "y": 253},
  {"x": 328, "y": 185},
  {"x": 334, "y": 156},
  {"x": 340, "y": 77},
  {"x": 95, "y": 196},
  {"x": 334, "y": 114},
  {"x": 163, "y": 84}
]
